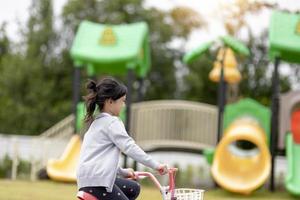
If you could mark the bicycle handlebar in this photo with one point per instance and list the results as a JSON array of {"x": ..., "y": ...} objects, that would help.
[
  {"x": 151, "y": 176},
  {"x": 171, "y": 172}
]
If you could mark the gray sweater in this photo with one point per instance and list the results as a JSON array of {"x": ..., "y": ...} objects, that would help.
[{"x": 105, "y": 139}]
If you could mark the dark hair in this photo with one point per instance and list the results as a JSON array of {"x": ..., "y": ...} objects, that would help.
[{"x": 107, "y": 88}]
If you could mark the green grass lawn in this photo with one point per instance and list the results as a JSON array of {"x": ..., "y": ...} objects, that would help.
[{"x": 48, "y": 190}]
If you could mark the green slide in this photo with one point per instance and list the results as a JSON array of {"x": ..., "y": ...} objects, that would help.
[{"x": 292, "y": 181}]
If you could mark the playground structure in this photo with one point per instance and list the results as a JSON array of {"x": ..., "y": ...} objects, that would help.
[
  {"x": 290, "y": 133},
  {"x": 235, "y": 168},
  {"x": 225, "y": 68},
  {"x": 243, "y": 169},
  {"x": 284, "y": 38},
  {"x": 235, "y": 176}
]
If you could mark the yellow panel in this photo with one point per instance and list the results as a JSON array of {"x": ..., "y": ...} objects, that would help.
[{"x": 64, "y": 169}]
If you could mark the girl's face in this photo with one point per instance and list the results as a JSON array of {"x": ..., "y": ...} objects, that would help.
[{"x": 117, "y": 105}]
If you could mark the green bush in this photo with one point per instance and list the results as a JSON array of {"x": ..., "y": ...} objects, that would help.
[
  {"x": 5, "y": 167},
  {"x": 24, "y": 168}
]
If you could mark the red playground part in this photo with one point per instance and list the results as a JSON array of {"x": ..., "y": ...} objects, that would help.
[
  {"x": 295, "y": 126},
  {"x": 85, "y": 196}
]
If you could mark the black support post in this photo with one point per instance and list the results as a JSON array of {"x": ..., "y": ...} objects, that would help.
[
  {"x": 274, "y": 121},
  {"x": 221, "y": 99},
  {"x": 128, "y": 106},
  {"x": 140, "y": 98},
  {"x": 76, "y": 94}
]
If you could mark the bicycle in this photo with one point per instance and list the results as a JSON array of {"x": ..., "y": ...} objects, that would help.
[{"x": 168, "y": 192}]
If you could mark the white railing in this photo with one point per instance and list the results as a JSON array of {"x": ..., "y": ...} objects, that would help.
[
  {"x": 177, "y": 120},
  {"x": 37, "y": 149},
  {"x": 34, "y": 149},
  {"x": 63, "y": 129}
]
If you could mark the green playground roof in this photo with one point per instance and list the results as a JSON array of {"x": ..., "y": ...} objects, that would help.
[
  {"x": 196, "y": 53},
  {"x": 112, "y": 49},
  {"x": 284, "y": 36},
  {"x": 235, "y": 45},
  {"x": 229, "y": 41}
]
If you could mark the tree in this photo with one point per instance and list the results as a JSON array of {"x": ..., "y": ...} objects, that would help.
[
  {"x": 198, "y": 87},
  {"x": 34, "y": 97},
  {"x": 4, "y": 41},
  {"x": 234, "y": 14}
]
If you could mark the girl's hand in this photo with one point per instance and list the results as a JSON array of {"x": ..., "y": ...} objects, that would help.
[
  {"x": 162, "y": 169},
  {"x": 131, "y": 174}
]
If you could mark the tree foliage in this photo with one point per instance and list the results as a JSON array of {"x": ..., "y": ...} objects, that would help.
[
  {"x": 36, "y": 73},
  {"x": 35, "y": 87},
  {"x": 37, "y": 76}
]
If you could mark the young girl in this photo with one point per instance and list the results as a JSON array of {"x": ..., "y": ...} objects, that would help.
[{"x": 105, "y": 139}]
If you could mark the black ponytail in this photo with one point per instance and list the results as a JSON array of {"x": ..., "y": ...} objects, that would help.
[
  {"x": 107, "y": 88},
  {"x": 90, "y": 101}
]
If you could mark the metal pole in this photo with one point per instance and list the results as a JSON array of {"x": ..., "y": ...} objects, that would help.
[
  {"x": 140, "y": 90},
  {"x": 140, "y": 98},
  {"x": 76, "y": 94},
  {"x": 128, "y": 105},
  {"x": 274, "y": 121},
  {"x": 221, "y": 99}
]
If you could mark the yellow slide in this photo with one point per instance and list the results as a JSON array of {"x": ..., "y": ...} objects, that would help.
[
  {"x": 239, "y": 170},
  {"x": 64, "y": 169}
]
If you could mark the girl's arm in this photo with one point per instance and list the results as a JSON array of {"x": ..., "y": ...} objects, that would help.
[{"x": 127, "y": 145}]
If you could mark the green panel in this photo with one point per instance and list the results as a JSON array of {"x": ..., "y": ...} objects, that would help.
[
  {"x": 248, "y": 108},
  {"x": 130, "y": 46},
  {"x": 144, "y": 58},
  {"x": 123, "y": 114},
  {"x": 115, "y": 68},
  {"x": 196, "y": 53},
  {"x": 292, "y": 179},
  {"x": 81, "y": 111},
  {"x": 284, "y": 36},
  {"x": 235, "y": 45},
  {"x": 209, "y": 155},
  {"x": 229, "y": 41}
]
